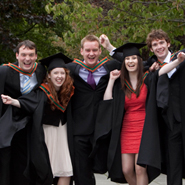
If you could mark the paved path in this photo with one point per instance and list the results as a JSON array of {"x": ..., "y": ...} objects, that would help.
[{"x": 102, "y": 180}]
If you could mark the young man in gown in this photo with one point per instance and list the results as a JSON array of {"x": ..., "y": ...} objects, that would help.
[
  {"x": 170, "y": 98},
  {"x": 13, "y": 160},
  {"x": 87, "y": 95}
]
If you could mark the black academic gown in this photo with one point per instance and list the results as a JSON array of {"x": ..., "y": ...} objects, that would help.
[
  {"x": 34, "y": 107},
  {"x": 34, "y": 103},
  {"x": 85, "y": 100},
  {"x": 165, "y": 103},
  {"x": 108, "y": 128},
  {"x": 84, "y": 107},
  {"x": 10, "y": 85},
  {"x": 37, "y": 103}
]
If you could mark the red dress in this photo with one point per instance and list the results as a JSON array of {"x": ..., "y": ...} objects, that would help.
[{"x": 133, "y": 122}]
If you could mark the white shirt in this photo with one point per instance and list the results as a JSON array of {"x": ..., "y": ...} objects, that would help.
[{"x": 167, "y": 60}]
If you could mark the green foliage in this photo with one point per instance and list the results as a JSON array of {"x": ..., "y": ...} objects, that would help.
[
  {"x": 21, "y": 20},
  {"x": 121, "y": 20},
  {"x": 59, "y": 25}
]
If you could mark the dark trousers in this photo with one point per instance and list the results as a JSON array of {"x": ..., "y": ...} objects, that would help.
[
  {"x": 175, "y": 151},
  {"x": 83, "y": 165},
  {"x": 5, "y": 158}
]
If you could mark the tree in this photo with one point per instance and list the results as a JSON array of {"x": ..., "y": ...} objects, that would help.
[
  {"x": 21, "y": 20},
  {"x": 121, "y": 20}
]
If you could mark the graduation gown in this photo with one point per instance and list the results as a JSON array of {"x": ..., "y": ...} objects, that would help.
[
  {"x": 10, "y": 85},
  {"x": 85, "y": 100},
  {"x": 84, "y": 105},
  {"x": 165, "y": 103},
  {"x": 108, "y": 128},
  {"x": 37, "y": 103},
  {"x": 34, "y": 103}
]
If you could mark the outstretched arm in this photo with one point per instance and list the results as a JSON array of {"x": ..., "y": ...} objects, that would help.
[
  {"x": 113, "y": 76},
  {"x": 104, "y": 40},
  {"x": 168, "y": 67},
  {"x": 10, "y": 101}
]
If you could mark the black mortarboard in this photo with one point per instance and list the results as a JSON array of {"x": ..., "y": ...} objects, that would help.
[
  {"x": 129, "y": 49},
  {"x": 57, "y": 60}
]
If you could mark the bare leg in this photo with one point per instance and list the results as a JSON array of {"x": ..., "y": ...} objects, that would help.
[
  {"x": 64, "y": 181},
  {"x": 141, "y": 173},
  {"x": 128, "y": 164}
]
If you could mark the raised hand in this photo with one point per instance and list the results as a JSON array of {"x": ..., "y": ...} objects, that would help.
[
  {"x": 115, "y": 74},
  {"x": 104, "y": 40}
]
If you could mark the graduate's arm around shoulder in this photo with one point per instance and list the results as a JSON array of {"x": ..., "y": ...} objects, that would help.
[{"x": 168, "y": 67}]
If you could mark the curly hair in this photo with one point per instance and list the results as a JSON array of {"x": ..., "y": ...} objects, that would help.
[
  {"x": 64, "y": 94},
  {"x": 156, "y": 34},
  {"x": 125, "y": 76}
]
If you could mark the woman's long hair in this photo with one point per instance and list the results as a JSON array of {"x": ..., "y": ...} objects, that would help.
[
  {"x": 125, "y": 76},
  {"x": 64, "y": 94}
]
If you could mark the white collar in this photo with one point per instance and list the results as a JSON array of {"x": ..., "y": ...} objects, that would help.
[{"x": 168, "y": 57}]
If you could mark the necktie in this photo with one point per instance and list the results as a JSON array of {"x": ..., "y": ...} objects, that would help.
[
  {"x": 90, "y": 80},
  {"x": 26, "y": 85}
]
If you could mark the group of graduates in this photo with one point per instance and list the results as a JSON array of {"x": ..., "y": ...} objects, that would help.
[{"x": 63, "y": 120}]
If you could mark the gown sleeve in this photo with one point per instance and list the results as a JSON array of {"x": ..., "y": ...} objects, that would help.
[
  {"x": 102, "y": 136},
  {"x": 3, "y": 72},
  {"x": 118, "y": 56},
  {"x": 29, "y": 102},
  {"x": 12, "y": 123},
  {"x": 150, "y": 151}
]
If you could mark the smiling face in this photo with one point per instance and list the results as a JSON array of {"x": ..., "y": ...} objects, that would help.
[
  {"x": 160, "y": 48},
  {"x": 26, "y": 58},
  {"x": 131, "y": 63},
  {"x": 57, "y": 76},
  {"x": 91, "y": 51}
]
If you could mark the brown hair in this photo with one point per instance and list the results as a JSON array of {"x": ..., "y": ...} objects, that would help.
[
  {"x": 28, "y": 44},
  {"x": 64, "y": 94},
  {"x": 156, "y": 34},
  {"x": 90, "y": 38},
  {"x": 125, "y": 76}
]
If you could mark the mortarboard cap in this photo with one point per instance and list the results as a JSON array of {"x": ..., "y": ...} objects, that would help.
[
  {"x": 56, "y": 60},
  {"x": 129, "y": 49}
]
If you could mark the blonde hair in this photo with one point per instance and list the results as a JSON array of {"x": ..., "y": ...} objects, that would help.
[{"x": 90, "y": 38}]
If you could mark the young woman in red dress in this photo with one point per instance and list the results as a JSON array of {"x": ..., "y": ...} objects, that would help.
[{"x": 130, "y": 82}]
